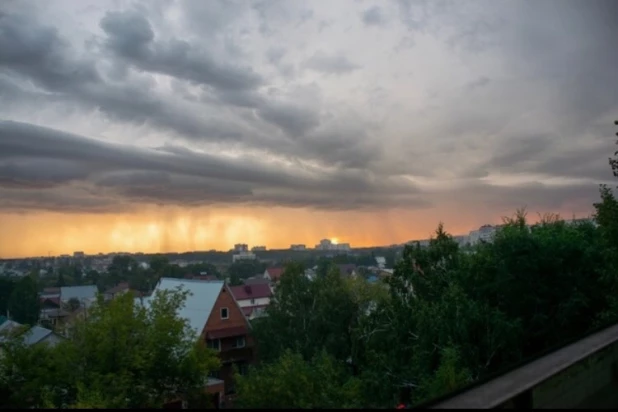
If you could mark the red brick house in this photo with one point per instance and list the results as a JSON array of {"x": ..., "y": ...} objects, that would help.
[{"x": 215, "y": 316}]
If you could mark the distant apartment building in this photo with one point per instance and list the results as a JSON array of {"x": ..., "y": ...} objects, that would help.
[
  {"x": 258, "y": 249},
  {"x": 243, "y": 255},
  {"x": 327, "y": 244},
  {"x": 79, "y": 255},
  {"x": 298, "y": 247},
  {"x": 241, "y": 247},
  {"x": 343, "y": 247}
]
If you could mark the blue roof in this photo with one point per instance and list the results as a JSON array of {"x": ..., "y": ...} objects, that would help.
[
  {"x": 81, "y": 293},
  {"x": 199, "y": 303},
  {"x": 372, "y": 279}
]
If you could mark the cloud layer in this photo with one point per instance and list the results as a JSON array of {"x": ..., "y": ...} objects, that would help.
[{"x": 106, "y": 106}]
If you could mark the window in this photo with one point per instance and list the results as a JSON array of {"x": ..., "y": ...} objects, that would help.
[
  {"x": 224, "y": 313},
  {"x": 214, "y": 344},
  {"x": 252, "y": 301},
  {"x": 239, "y": 342}
]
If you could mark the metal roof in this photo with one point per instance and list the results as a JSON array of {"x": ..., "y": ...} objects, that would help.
[
  {"x": 199, "y": 303},
  {"x": 32, "y": 336},
  {"x": 81, "y": 293}
]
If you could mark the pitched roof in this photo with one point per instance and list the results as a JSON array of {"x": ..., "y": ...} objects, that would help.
[
  {"x": 78, "y": 292},
  {"x": 202, "y": 297},
  {"x": 242, "y": 292},
  {"x": 54, "y": 300},
  {"x": 34, "y": 335},
  {"x": 275, "y": 273}
]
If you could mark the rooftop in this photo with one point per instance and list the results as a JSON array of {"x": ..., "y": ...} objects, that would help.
[
  {"x": 200, "y": 301},
  {"x": 34, "y": 334},
  {"x": 80, "y": 293},
  {"x": 255, "y": 291}
]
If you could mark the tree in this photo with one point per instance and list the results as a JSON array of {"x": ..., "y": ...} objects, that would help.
[
  {"x": 121, "y": 356},
  {"x": 6, "y": 288},
  {"x": 244, "y": 269},
  {"x": 31, "y": 375},
  {"x": 23, "y": 303},
  {"x": 235, "y": 280},
  {"x": 74, "y": 304},
  {"x": 291, "y": 382}
]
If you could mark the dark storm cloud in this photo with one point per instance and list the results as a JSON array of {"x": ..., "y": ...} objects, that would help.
[
  {"x": 37, "y": 157},
  {"x": 131, "y": 37},
  {"x": 37, "y": 53},
  {"x": 294, "y": 120},
  {"x": 513, "y": 88}
]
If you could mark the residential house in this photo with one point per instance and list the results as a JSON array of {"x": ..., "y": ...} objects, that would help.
[
  {"x": 86, "y": 295},
  {"x": 273, "y": 274},
  {"x": 35, "y": 335},
  {"x": 252, "y": 299},
  {"x": 51, "y": 312},
  {"x": 215, "y": 316},
  {"x": 116, "y": 291}
]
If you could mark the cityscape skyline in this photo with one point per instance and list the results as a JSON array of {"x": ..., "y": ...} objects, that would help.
[
  {"x": 242, "y": 247},
  {"x": 145, "y": 125}
]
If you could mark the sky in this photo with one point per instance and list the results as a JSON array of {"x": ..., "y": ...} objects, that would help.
[{"x": 161, "y": 126}]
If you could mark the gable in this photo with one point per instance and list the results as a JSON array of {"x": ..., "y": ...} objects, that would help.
[{"x": 236, "y": 319}]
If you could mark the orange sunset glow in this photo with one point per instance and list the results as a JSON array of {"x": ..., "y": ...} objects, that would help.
[{"x": 179, "y": 230}]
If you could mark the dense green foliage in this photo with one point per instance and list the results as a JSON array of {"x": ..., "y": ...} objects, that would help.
[
  {"x": 450, "y": 316},
  {"x": 23, "y": 302},
  {"x": 121, "y": 356}
]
